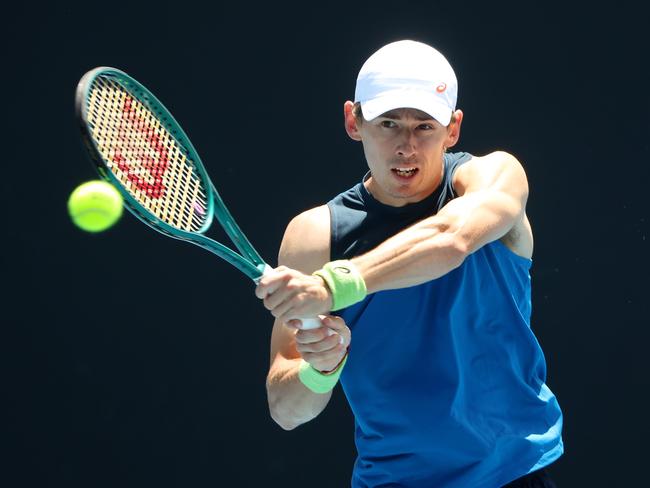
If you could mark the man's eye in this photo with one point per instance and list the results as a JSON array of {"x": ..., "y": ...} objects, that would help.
[
  {"x": 387, "y": 123},
  {"x": 426, "y": 126}
]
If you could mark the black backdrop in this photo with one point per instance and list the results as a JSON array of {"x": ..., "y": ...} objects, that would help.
[{"x": 129, "y": 359}]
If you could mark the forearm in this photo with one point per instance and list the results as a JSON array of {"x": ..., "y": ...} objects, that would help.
[
  {"x": 418, "y": 254},
  {"x": 438, "y": 244},
  {"x": 492, "y": 199},
  {"x": 290, "y": 402}
]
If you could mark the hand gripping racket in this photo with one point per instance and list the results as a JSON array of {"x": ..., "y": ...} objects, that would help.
[{"x": 138, "y": 147}]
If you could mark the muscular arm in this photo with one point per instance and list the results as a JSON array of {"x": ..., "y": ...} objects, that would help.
[
  {"x": 305, "y": 247},
  {"x": 491, "y": 205},
  {"x": 493, "y": 192}
]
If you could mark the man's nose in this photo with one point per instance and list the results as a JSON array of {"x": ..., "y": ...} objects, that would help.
[{"x": 407, "y": 144}]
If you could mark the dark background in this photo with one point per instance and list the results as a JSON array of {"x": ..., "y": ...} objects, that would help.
[{"x": 129, "y": 359}]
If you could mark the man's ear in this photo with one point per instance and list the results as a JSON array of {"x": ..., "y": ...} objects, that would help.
[
  {"x": 351, "y": 121},
  {"x": 453, "y": 129}
]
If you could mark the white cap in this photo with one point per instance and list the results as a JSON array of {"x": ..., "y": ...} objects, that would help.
[{"x": 407, "y": 74}]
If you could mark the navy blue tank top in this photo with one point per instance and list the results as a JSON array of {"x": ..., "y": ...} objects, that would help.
[{"x": 446, "y": 380}]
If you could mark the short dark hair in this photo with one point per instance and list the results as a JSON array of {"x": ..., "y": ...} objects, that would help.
[{"x": 358, "y": 113}]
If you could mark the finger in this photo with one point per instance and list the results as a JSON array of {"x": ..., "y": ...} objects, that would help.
[
  {"x": 296, "y": 306},
  {"x": 261, "y": 289},
  {"x": 325, "y": 361},
  {"x": 338, "y": 325},
  {"x": 294, "y": 324},
  {"x": 268, "y": 286},
  {"x": 310, "y": 336},
  {"x": 271, "y": 281},
  {"x": 276, "y": 298},
  {"x": 334, "y": 322},
  {"x": 320, "y": 346},
  {"x": 283, "y": 312},
  {"x": 301, "y": 323},
  {"x": 289, "y": 309}
]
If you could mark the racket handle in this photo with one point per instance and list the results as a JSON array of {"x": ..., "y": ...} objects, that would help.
[{"x": 311, "y": 323}]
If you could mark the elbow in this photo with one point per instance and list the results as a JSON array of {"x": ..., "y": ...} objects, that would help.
[
  {"x": 280, "y": 411},
  {"x": 281, "y": 415},
  {"x": 283, "y": 422}
]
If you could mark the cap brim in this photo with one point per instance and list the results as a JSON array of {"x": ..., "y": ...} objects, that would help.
[{"x": 426, "y": 102}]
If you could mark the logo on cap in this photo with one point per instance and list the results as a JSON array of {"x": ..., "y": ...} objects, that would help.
[{"x": 441, "y": 87}]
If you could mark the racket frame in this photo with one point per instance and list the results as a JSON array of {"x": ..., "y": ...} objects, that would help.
[{"x": 249, "y": 262}]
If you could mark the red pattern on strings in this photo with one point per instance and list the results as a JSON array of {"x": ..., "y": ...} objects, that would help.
[{"x": 155, "y": 166}]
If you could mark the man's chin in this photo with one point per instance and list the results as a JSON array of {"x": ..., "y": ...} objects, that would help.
[{"x": 404, "y": 197}]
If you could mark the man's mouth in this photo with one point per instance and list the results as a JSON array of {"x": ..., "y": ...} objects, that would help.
[{"x": 404, "y": 172}]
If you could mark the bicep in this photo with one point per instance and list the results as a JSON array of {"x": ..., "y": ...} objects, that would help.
[
  {"x": 305, "y": 247},
  {"x": 497, "y": 172}
]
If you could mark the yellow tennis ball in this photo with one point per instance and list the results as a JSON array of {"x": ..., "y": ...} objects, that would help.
[{"x": 95, "y": 206}]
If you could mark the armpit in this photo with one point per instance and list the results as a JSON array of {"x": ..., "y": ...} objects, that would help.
[{"x": 519, "y": 239}]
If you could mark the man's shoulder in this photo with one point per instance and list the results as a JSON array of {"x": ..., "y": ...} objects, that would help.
[
  {"x": 317, "y": 221},
  {"x": 478, "y": 166},
  {"x": 306, "y": 242},
  {"x": 502, "y": 157},
  {"x": 311, "y": 219}
]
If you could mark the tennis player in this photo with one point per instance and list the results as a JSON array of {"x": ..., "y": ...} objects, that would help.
[{"x": 426, "y": 264}]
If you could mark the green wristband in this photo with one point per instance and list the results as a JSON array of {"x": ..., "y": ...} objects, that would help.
[
  {"x": 317, "y": 381},
  {"x": 345, "y": 283}
]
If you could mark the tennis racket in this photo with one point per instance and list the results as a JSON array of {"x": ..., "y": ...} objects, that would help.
[{"x": 137, "y": 146}]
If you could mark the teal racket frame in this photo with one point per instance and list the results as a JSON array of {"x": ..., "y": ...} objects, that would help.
[{"x": 249, "y": 262}]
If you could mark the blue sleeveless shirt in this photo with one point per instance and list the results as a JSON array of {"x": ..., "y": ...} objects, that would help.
[{"x": 446, "y": 380}]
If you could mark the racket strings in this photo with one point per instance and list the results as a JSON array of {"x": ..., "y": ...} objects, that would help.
[{"x": 145, "y": 157}]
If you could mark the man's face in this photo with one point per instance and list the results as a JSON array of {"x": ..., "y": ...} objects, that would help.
[{"x": 404, "y": 149}]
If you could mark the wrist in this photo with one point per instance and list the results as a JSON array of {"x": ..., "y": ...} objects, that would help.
[
  {"x": 344, "y": 282},
  {"x": 328, "y": 293},
  {"x": 320, "y": 381},
  {"x": 336, "y": 368}
]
